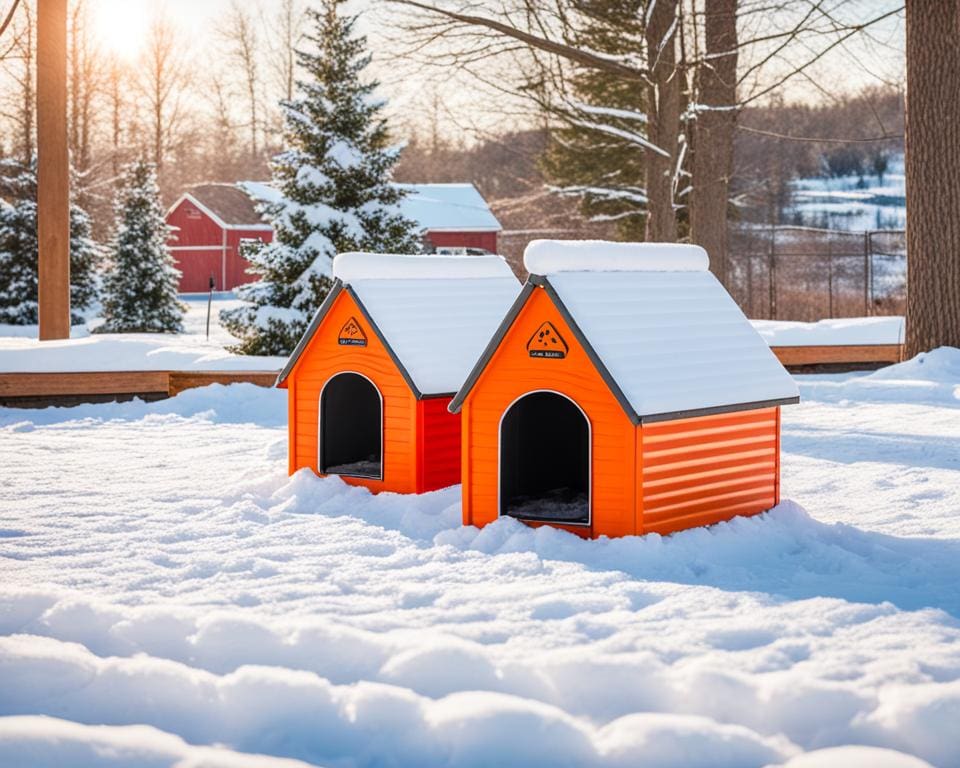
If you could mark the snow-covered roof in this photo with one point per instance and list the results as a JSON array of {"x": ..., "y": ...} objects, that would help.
[
  {"x": 435, "y": 207},
  {"x": 549, "y": 257},
  {"x": 454, "y": 207},
  {"x": 435, "y": 314},
  {"x": 663, "y": 332},
  {"x": 351, "y": 267}
]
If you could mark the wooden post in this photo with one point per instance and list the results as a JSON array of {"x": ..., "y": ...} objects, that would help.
[{"x": 53, "y": 170}]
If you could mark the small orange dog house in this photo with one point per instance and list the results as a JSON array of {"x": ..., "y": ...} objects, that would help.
[
  {"x": 624, "y": 393},
  {"x": 370, "y": 381}
]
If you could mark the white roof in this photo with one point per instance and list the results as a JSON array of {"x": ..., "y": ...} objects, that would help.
[
  {"x": 550, "y": 257},
  {"x": 436, "y": 207},
  {"x": 437, "y": 313},
  {"x": 365, "y": 266},
  {"x": 671, "y": 340},
  {"x": 454, "y": 207}
]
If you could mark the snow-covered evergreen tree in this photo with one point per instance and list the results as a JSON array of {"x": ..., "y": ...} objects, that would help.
[
  {"x": 333, "y": 191},
  {"x": 19, "y": 251},
  {"x": 140, "y": 285}
]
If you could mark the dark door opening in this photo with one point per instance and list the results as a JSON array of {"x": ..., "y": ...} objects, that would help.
[
  {"x": 545, "y": 460},
  {"x": 351, "y": 428}
]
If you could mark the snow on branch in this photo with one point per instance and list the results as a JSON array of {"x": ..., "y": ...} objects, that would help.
[{"x": 630, "y": 136}]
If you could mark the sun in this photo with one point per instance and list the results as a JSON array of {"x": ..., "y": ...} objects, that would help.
[{"x": 121, "y": 26}]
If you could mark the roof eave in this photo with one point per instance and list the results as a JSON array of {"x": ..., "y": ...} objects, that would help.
[{"x": 309, "y": 333}]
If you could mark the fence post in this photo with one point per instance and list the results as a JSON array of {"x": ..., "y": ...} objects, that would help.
[
  {"x": 829, "y": 277},
  {"x": 867, "y": 273},
  {"x": 772, "y": 274}
]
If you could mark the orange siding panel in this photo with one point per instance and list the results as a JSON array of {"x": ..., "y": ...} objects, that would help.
[
  {"x": 512, "y": 373},
  {"x": 324, "y": 358},
  {"x": 704, "y": 470}
]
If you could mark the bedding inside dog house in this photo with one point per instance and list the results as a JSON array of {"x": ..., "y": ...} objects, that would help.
[
  {"x": 624, "y": 392},
  {"x": 370, "y": 381}
]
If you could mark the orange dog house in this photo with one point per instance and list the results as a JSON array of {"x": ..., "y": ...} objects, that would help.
[
  {"x": 370, "y": 381},
  {"x": 624, "y": 393}
]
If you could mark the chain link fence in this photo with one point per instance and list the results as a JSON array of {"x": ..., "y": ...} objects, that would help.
[
  {"x": 800, "y": 273},
  {"x": 790, "y": 273}
]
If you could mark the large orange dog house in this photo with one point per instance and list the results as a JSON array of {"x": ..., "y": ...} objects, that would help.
[
  {"x": 624, "y": 393},
  {"x": 370, "y": 381}
]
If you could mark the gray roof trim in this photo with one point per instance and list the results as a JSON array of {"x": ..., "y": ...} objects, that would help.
[
  {"x": 311, "y": 329},
  {"x": 336, "y": 290},
  {"x": 457, "y": 403},
  {"x": 386, "y": 345},
  {"x": 537, "y": 280},
  {"x": 718, "y": 409},
  {"x": 588, "y": 348}
]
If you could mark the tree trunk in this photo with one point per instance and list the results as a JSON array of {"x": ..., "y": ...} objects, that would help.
[
  {"x": 712, "y": 161},
  {"x": 663, "y": 120},
  {"x": 933, "y": 174}
]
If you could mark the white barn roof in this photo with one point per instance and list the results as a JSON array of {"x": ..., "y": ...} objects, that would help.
[
  {"x": 435, "y": 207},
  {"x": 452, "y": 207},
  {"x": 661, "y": 328},
  {"x": 435, "y": 314}
]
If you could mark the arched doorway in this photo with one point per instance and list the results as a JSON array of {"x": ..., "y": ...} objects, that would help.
[
  {"x": 545, "y": 460},
  {"x": 351, "y": 427}
]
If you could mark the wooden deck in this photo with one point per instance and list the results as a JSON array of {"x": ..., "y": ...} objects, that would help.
[{"x": 38, "y": 389}]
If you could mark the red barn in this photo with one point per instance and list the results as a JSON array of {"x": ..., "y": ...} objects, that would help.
[{"x": 211, "y": 222}]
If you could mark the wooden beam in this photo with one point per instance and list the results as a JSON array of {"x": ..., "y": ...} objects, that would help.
[
  {"x": 53, "y": 171},
  {"x": 181, "y": 380},
  {"x": 839, "y": 354}
]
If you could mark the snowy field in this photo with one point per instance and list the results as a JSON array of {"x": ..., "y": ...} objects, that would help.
[
  {"x": 168, "y": 596},
  {"x": 86, "y": 351}
]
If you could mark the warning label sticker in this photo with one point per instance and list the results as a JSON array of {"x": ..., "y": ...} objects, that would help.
[
  {"x": 546, "y": 342},
  {"x": 352, "y": 335}
]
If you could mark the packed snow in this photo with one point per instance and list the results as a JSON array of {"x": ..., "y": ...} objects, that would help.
[
  {"x": 838, "y": 331},
  {"x": 170, "y": 597},
  {"x": 549, "y": 257},
  {"x": 437, "y": 313},
  {"x": 85, "y": 351},
  {"x": 351, "y": 267},
  {"x": 673, "y": 341}
]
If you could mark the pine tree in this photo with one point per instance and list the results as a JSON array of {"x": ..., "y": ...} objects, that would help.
[
  {"x": 596, "y": 165},
  {"x": 140, "y": 285},
  {"x": 19, "y": 251},
  {"x": 333, "y": 185}
]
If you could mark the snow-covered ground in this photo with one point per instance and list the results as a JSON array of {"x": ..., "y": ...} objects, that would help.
[
  {"x": 852, "y": 202},
  {"x": 190, "y": 350},
  {"x": 168, "y": 596}
]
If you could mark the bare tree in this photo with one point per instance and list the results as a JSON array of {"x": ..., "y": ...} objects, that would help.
[
  {"x": 19, "y": 62},
  {"x": 663, "y": 118},
  {"x": 84, "y": 80},
  {"x": 240, "y": 34},
  {"x": 714, "y": 129},
  {"x": 161, "y": 76},
  {"x": 286, "y": 26},
  {"x": 933, "y": 171}
]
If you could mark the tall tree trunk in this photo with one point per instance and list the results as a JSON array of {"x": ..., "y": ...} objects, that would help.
[
  {"x": 712, "y": 161},
  {"x": 933, "y": 174},
  {"x": 663, "y": 119}
]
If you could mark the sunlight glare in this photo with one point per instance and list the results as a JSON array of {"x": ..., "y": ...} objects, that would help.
[{"x": 121, "y": 26}]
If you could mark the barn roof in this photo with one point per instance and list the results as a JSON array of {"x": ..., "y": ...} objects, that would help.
[
  {"x": 228, "y": 203},
  {"x": 452, "y": 207},
  {"x": 663, "y": 332},
  {"x": 434, "y": 314},
  {"x": 435, "y": 207}
]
